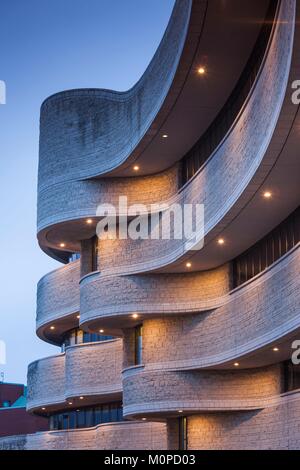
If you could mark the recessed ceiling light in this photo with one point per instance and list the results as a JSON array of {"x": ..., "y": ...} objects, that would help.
[
  {"x": 267, "y": 195},
  {"x": 62, "y": 245},
  {"x": 89, "y": 221},
  {"x": 221, "y": 241},
  {"x": 44, "y": 409},
  {"x": 52, "y": 327},
  {"x": 136, "y": 168},
  {"x": 78, "y": 316},
  {"x": 180, "y": 411},
  {"x": 70, "y": 403},
  {"x": 81, "y": 398},
  {"x": 201, "y": 70},
  {"x": 188, "y": 265},
  {"x": 165, "y": 136},
  {"x": 236, "y": 364},
  {"x": 101, "y": 331},
  {"x": 135, "y": 315},
  {"x": 144, "y": 419},
  {"x": 275, "y": 349}
]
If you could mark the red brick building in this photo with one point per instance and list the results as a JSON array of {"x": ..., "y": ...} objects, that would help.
[{"x": 13, "y": 416}]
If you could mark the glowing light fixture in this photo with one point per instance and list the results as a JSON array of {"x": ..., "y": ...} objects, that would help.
[
  {"x": 221, "y": 241},
  {"x": 52, "y": 327},
  {"x": 188, "y": 265},
  {"x": 101, "y": 331},
  {"x": 201, "y": 70},
  {"x": 136, "y": 168},
  {"x": 89, "y": 221},
  {"x": 180, "y": 411},
  {"x": 135, "y": 316},
  {"x": 165, "y": 136},
  {"x": 236, "y": 364},
  {"x": 267, "y": 194},
  {"x": 81, "y": 398},
  {"x": 275, "y": 349},
  {"x": 62, "y": 245}
]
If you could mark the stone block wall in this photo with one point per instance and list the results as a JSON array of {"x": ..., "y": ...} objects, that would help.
[
  {"x": 273, "y": 428},
  {"x": 114, "y": 436},
  {"x": 58, "y": 293},
  {"x": 147, "y": 391}
]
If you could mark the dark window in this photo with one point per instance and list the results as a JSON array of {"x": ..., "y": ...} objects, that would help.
[
  {"x": 291, "y": 376},
  {"x": 204, "y": 148},
  {"x": 268, "y": 250},
  {"x": 182, "y": 427},
  {"x": 78, "y": 336},
  {"x": 74, "y": 257},
  {"x": 80, "y": 419},
  {"x": 138, "y": 345},
  {"x": 87, "y": 417},
  {"x": 95, "y": 264}
]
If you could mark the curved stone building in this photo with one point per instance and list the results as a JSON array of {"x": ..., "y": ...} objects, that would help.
[{"x": 165, "y": 345}]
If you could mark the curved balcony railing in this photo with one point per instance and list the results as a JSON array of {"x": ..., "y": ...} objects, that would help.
[
  {"x": 92, "y": 371},
  {"x": 248, "y": 318},
  {"x": 58, "y": 294},
  {"x": 275, "y": 427},
  {"x": 150, "y": 294},
  {"x": 239, "y": 159},
  {"x": 112, "y": 436},
  {"x": 77, "y": 135},
  {"x": 163, "y": 393}
]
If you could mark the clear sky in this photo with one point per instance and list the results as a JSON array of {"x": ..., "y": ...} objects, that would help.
[{"x": 48, "y": 46}]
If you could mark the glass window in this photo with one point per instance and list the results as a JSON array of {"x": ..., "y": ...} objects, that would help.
[
  {"x": 80, "y": 419},
  {"x": 87, "y": 417},
  {"x": 291, "y": 376},
  {"x": 138, "y": 345},
  {"x": 98, "y": 416},
  {"x": 105, "y": 414},
  {"x": 202, "y": 150},
  {"x": 264, "y": 253},
  {"x": 72, "y": 419},
  {"x": 95, "y": 264},
  {"x": 78, "y": 336},
  {"x": 183, "y": 441}
]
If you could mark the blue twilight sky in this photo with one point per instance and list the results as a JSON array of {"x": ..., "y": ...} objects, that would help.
[{"x": 48, "y": 46}]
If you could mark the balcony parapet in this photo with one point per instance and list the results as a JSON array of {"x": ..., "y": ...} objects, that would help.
[
  {"x": 91, "y": 370},
  {"x": 112, "y": 436}
]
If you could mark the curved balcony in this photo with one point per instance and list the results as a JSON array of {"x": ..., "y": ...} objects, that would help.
[
  {"x": 89, "y": 132},
  {"x": 113, "y": 436},
  {"x": 248, "y": 319},
  {"x": 239, "y": 167},
  {"x": 256, "y": 315},
  {"x": 58, "y": 299},
  {"x": 115, "y": 298},
  {"x": 77, "y": 135},
  {"x": 163, "y": 393},
  {"x": 90, "y": 370},
  {"x": 46, "y": 383},
  {"x": 274, "y": 428}
]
